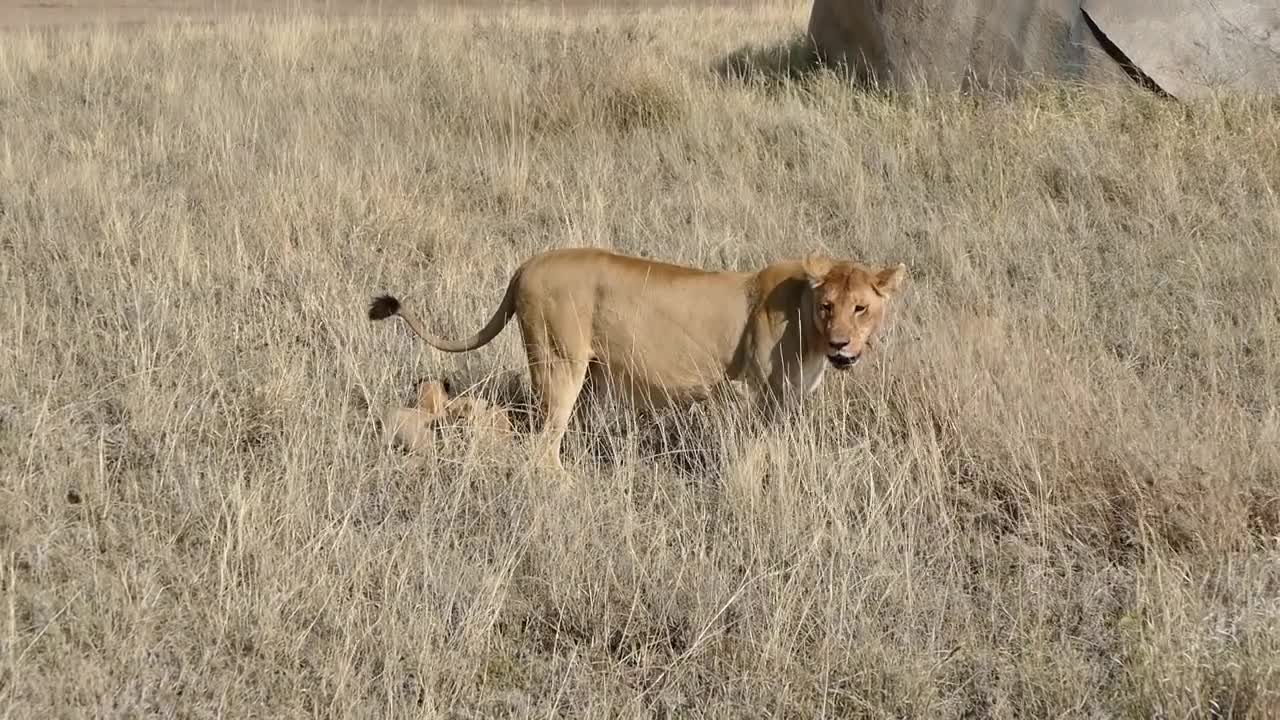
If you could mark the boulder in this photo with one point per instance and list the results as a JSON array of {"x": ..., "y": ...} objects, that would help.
[{"x": 1185, "y": 48}]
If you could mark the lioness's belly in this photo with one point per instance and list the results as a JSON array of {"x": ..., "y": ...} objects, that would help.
[
  {"x": 624, "y": 382},
  {"x": 652, "y": 354}
]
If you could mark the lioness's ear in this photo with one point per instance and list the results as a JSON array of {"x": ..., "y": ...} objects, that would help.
[
  {"x": 816, "y": 268},
  {"x": 889, "y": 278}
]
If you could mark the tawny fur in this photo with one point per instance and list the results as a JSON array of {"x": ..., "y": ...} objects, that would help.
[
  {"x": 660, "y": 332},
  {"x": 415, "y": 428}
]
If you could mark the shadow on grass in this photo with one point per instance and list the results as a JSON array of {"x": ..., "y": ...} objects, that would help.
[
  {"x": 788, "y": 62},
  {"x": 791, "y": 64}
]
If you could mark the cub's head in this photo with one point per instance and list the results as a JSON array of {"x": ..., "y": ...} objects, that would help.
[
  {"x": 848, "y": 304},
  {"x": 434, "y": 395}
]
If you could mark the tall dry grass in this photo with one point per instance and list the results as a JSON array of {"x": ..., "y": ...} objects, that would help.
[{"x": 1055, "y": 492}]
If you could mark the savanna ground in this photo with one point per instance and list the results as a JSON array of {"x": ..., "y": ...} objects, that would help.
[{"x": 1053, "y": 492}]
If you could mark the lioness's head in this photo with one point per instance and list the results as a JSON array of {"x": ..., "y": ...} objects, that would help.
[{"x": 848, "y": 304}]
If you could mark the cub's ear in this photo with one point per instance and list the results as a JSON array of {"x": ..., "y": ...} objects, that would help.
[
  {"x": 889, "y": 278},
  {"x": 816, "y": 268}
]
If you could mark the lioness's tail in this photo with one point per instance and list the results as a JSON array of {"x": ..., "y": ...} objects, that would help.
[{"x": 385, "y": 306}]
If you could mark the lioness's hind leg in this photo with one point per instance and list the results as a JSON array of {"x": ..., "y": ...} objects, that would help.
[
  {"x": 558, "y": 348},
  {"x": 557, "y": 384}
]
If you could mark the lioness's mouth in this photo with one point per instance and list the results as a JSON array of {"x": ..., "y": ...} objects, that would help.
[{"x": 842, "y": 362}]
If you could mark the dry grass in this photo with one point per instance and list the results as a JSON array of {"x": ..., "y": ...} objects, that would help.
[{"x": 1054, "y": 493}]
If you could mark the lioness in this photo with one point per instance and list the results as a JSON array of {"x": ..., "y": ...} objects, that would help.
[{"x": 660, "y": 331}]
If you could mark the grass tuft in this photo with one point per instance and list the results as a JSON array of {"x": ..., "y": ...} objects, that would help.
[{"x": 1053, "y": 491}]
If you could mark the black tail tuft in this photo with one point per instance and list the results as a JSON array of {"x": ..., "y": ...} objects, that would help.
[{"x": 383, "y": 307}]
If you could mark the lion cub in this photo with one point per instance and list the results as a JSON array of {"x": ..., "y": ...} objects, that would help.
[{"x": 415, "y": 428}]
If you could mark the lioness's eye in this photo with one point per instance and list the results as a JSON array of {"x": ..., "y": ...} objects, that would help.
[
  {"x": 859, "y": 309},
  {"x": 826, "y": 307}
]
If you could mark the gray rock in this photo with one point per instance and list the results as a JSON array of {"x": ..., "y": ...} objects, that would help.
[{"x": 1183, "y": 47}]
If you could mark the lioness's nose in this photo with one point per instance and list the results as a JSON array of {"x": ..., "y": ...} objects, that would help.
[{"x": 838, "y": 344}]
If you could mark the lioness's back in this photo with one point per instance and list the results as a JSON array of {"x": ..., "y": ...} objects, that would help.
[{"x": 584, "y": 258}]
